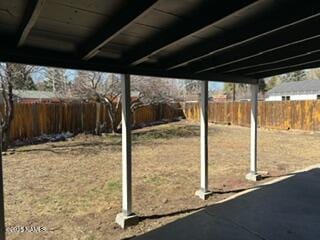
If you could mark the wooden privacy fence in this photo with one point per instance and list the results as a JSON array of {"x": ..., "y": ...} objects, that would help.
[
  {"x": 304, "y": 115},
  {"x": 33, "y": 120}
]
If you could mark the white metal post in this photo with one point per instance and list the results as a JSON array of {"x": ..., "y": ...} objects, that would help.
[
  {"x": 203, "y": 192},
  {"x": 127, "y": 217},
  {"x": 253, "y": 148},
  {"x": 253, "y": 174},
  {"x": 126, "y": 147}
]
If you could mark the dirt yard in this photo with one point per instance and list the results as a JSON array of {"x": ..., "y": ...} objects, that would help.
[{"x": 73, "y": 188}]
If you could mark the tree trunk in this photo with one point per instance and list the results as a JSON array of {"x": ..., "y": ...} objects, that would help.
[
  {"x": 2, "y": 215},
  {"x": 4, "y": 141},
  {"x": 97, "y": 131},
  {"x": 233, "y": 92},
  {"x": 112, "y": 117}
]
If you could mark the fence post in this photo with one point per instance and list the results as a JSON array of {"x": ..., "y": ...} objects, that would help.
[
  {"x": 126, "y": 217},
  {"x": 97, "y": 118},
  {"x": 203, "y": 192},
  {"x": 82, "y": 116},
  {"x": 253, "y": 174}
]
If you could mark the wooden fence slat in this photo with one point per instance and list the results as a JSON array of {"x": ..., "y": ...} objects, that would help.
[
  {"x": 35, "y": 119},
  {"x": 304, "y": 115}
]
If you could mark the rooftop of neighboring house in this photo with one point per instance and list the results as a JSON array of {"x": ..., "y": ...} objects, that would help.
[
  {"x": 296, "y": 88},
  {"x": 33, "y": 94},
  {"x": 219, "y": 97}
]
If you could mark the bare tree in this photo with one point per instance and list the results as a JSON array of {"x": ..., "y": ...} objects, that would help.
[
  {"x": 7, "y": 75},
  {"x": 10, "y": 73},
  {"x": 112, "y": 98},
  {"x": 191, "y": 89},
  {"x": 106, "y": 89},
  {"x": 13, "y": 76},
  {"x": 154, "y": 90},
  {"x": 89, "y": 85},
  {"x": 313, "y": 73},
  {"x": 23, "y": 75},
  {"x": 299, "y": 75},
  {"x": 56, "y": 81},
  {"x": 236, "y": 90},
  {"x": 147, "y": 91},
  {"x": 317, "y": 73}
]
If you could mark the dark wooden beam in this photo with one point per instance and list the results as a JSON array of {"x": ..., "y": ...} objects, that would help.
[
  {"x": 259, "y": 56},
  {"x": 251, "y": 68},
  {"x": 285, "y": 68},
  {"x": 292, "y": 53},
  {"x": 242, "y": 36},
  {"x": 30, "y": 17},
  {"x": 52, "y": 59},
  {"x": 274, "y": 72},
  {"x": 114, "y": 26},
  {"x": 270, "y": 66},
  {"x": 290, "y": 36},
  {"x": 307, "y": 58},
  {"x": 180, "y": 32}
]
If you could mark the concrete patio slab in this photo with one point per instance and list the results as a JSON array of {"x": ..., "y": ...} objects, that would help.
[{"x": 288, "y": 209}]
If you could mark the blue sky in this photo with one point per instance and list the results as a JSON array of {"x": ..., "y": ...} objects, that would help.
[
  {"x": 212, "y": 85},
  {"x": 72, "y": 73},
  {"x": 215, "y": 85}
]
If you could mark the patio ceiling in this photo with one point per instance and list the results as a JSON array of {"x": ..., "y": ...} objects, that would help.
[{"x": 217, "y": 40}]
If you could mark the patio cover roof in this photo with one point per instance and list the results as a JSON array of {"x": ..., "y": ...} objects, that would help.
[{"x": 219, "y": 40}]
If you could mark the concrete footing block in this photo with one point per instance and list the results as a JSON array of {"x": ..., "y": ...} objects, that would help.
[
  {"x": 204, "y": 195},
  {"x": 127, "y": 221},
  {"x": 253, "y": 177}
]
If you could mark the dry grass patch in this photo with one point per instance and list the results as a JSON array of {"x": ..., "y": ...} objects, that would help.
[{"x": 74, "y": 188}]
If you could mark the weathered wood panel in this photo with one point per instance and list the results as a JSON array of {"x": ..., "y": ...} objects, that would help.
[
  {"x": 32, "y": 120},
  {"x": 304, "y": 115}
]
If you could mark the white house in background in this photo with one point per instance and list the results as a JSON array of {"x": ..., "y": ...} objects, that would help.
[{"x": 293, "y": 91}]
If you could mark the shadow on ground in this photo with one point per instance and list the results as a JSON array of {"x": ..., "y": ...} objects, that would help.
[{"x": 288, "y": 209}]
